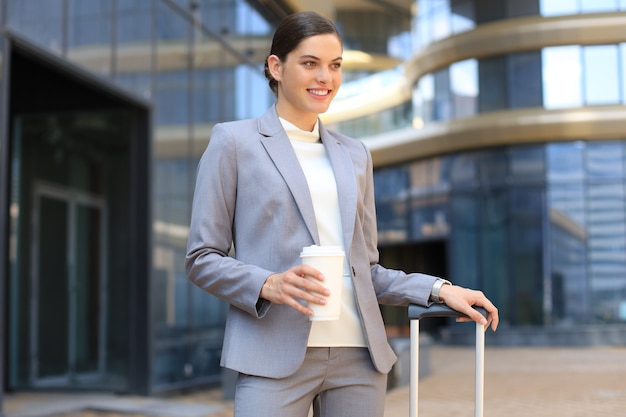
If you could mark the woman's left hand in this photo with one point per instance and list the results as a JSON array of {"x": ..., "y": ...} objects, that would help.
[{"x": 464, "y": 299}]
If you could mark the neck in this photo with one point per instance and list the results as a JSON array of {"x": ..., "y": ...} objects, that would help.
[{"x": 301, "y": 121}]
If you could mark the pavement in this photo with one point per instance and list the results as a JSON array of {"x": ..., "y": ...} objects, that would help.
[{"x": 528, "y": 381}]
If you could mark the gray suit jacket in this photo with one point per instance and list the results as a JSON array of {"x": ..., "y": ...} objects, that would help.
[{"x": 252, "y": 192}]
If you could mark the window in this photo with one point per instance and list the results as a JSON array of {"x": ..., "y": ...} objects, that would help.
[
  {"x": 601, "y": 77},
  {"x": 464, "y": 86},
  {"x": 562, "y": 77}
]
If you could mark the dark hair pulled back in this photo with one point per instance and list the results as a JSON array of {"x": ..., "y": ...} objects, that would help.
[{"x": 293, "y": 30}]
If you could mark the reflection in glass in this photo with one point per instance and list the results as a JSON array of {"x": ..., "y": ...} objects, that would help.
[
  {"x": 527, "y": 162},
  {"x": 89, "y": 35},
  {"x": 622, "y": 66},
  {"x": 391, "y": 187},
  {"x": 423, "y": 99},
  {"x": 607, "y": 248},
  {"x": 558, "y": 7},
  {"x": 442, "y": 106},
  {"x": 465, "y": 266},
  {"x": 40, "y": 22},
  {"x": 440, "y": 18},
  {"x": 605, "y": 160},
  {"x": 464, "y": 87},
  {"x": 565, "y": 161},
  {"x": 525, "y": 224},
  {"x": 562, "y": 77},
  {"x": 596, "y": 6},
  {"x": 524, "y": 80},
  {"x": 568, "y": 299},
  {"x": 601, "y": 77},
  {"x": 462, "y": 15}
]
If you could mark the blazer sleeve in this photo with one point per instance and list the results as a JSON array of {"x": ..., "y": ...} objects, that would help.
[{"x": 207, "y": 263}]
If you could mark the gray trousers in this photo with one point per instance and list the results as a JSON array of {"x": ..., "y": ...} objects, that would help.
[{"x": 338, "y": 382}]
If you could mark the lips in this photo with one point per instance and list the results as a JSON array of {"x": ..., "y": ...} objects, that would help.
[{"x": 320, "y": 93}]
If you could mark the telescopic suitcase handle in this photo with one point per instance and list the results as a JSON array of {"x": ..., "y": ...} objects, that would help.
[{"x": 441, "y": 310}]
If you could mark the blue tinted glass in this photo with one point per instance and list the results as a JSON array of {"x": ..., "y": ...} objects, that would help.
[
  {"x": 40, "y": 21},
  {"x": 442, "y": 103},
  {"x": 251, "y": 83},
  {"x": 562, "y": 77},
  {"x": 558, "y": 7},
  {"x": 464, "y": 87},
  {"x": 134, "y": 21},
  {"x": 463, "y": 169},
  {"x": 90, "y": 23},
  {"x": 440, "y": 20},
  {"x": 524, "y": 80},
  {"x": 527, "y": 162},
  {"x": 605, "y": 160},
  {"x": 423, "y": 98},
  {"x": 249, "y": 22},
  {"x": 493, "y": 168},
  {"x": 607, "y": 235},
  {"x": 622, "y": 75},
  {"x": 172, "y": 103},
  {"x": 464, "y": 247},
  {"x": 566, "y": 203},
  {"x": 525, "y": 251},
  {"x": 423, "y": 32},
  {"x": 391, "y": 193},
  {"x": 462, "y": 15},
  {"x": 565, "y": 161},
  {"x": 601, "y": 74},
  {"x": 594, "y": 6},
  {"x": 170, "y": 26}
]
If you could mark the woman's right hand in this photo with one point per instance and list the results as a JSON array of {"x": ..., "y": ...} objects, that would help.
[{"x": 294, "y": 286}]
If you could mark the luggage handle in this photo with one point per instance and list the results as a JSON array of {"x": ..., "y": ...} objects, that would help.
[{"x": 416, "y": 313}]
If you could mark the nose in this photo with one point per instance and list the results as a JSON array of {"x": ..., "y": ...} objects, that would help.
[{"x": 323, "y": 75}]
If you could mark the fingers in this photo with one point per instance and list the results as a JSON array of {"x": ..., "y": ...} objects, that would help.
[
  {"x": 463, "y": 300},
  {"x": 296, "y": 288}
]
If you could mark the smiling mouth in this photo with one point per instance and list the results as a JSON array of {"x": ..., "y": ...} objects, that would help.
[{"x": 320, "y": 93}]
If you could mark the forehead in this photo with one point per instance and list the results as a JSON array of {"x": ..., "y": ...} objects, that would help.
[{"x": 322, "y": 46}]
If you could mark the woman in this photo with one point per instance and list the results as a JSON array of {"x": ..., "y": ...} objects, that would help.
[{"x": 271, "y": 186}]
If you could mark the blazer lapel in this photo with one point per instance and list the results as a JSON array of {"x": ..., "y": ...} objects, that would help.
[
  {"x": 278, "y": 147},
  {"x": 346, "y": 183}
]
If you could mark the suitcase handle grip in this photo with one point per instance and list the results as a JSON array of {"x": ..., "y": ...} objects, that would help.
[{"x": 437, "y": 310}]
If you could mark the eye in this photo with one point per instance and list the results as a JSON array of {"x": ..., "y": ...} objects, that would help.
[
  {"x": 336, "y": 65},
  {"x": 309, "y": 64}
]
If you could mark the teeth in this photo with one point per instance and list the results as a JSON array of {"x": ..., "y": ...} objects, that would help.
[{"x": 319, "y": 92}]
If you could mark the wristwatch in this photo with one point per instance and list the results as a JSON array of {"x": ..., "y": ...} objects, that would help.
[{"x": 434, "y": 293}]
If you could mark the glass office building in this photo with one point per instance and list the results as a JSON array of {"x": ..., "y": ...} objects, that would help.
[
  {"x": 496, "y": 128},
  {"x": 106, "y": 107}
]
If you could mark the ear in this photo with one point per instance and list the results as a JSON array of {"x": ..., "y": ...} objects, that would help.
[{"x": 274, "y": 65}]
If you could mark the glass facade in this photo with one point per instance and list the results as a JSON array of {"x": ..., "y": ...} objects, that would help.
[
  {"x": 194, "y": 64},
  {"x": 539, "y": 228},
  {"x": 555, "y": 77}
]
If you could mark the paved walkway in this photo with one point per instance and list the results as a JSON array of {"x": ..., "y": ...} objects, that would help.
[{"x": 537, "y": 382}]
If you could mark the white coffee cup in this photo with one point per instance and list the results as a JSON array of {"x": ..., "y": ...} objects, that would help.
[{"x": 329, "y": 261}]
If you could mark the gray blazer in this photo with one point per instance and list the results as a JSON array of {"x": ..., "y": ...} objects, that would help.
[{"x": 251, "y": 192}]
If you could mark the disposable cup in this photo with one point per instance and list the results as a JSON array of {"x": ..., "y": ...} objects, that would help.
[{"x": 329, "y": 261}]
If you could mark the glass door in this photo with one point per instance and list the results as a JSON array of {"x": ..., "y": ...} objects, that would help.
[
  {"x": 71, "y": 252},
  {"x": 68, "y": 291}
]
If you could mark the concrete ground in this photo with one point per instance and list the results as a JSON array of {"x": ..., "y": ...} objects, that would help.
[{"x": 537, "y": 382}]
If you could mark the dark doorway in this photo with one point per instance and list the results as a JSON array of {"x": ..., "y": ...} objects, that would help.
[
  {"x": 78, "y": 230},
  {"x": 426, "y": 257}
]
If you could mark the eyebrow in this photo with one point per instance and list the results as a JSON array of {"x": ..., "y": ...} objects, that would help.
[{"x": 339, "y": 58}]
